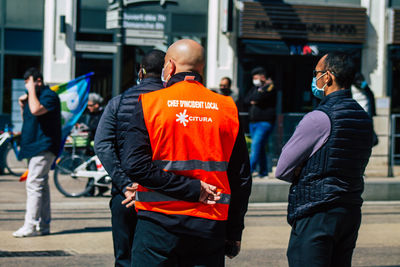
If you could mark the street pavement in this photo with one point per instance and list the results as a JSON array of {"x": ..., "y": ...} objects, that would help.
[{"x": 81, "y": 233}]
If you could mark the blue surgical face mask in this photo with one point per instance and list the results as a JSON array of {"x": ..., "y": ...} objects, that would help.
[
  {"x": 364, "y": 84},
  {"x": 317, "y": 92}
]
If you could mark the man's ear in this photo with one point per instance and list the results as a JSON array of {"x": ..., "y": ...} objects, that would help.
[
  {"x": 330, "y": 78},
  {"x": 172, "y": 69}
]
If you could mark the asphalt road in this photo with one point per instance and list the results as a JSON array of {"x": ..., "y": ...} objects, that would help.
[{"x": 81, "y": 233}]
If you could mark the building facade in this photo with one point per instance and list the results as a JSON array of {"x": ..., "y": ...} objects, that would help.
[
  {"x": 289, "y": 37},
  {"x": 66, "y": 39}
]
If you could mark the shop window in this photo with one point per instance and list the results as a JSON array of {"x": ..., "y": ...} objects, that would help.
[
  {"x": 23, "y": 40},
  {"x": 15, "y": 69},
  {"x": 189, "y": 23},
  {"x": 92, "y": 16},
  {"x": 24, "y": 13},
  {"x": 394, "y": 3},
  {"x": 102, "y": 66},
  {"x": 92, "y": 21},
  {"x": 395, "y": 90},
  {"x": 94, "y": 37}
]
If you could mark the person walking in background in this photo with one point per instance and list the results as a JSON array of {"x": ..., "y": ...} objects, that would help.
[
  {"x": 40, "y": 143},
  {"x": 185, "y": 149},
  {"x": 109, "y": 145},
  {"x": 365, "y": 97},
  {"x": 324, "y": 161},
  {"x": 261, "y": 100}
]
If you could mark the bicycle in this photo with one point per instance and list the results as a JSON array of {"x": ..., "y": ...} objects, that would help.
[
  {"x": 75, "y": 175},
  {"x": 11, "y": 151}
]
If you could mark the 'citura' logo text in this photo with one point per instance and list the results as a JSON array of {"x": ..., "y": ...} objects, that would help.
[{"x": 184, "y": 118}]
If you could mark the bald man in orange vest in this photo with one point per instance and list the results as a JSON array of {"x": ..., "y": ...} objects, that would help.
[{"x": 186, "y": 150}]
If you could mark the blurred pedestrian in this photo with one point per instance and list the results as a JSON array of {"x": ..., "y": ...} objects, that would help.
[
  {"x": 324, "y": 161},
  {"x": 89, "y": 122},
  {"x": 109, "y": 145},
  {"x": 40, "y": 143},
  {"x": 95, "y": 108},
  {"x": 261, "y": 100},
  {"x": 365, "y": 97},
  {"x": 178, "y": 139},
  {"x": 225, "y": 86}
]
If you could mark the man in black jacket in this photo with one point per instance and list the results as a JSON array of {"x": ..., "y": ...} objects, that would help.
[
  {"x": 108, "y": 147},
  {"x": 325, "y": 161},
  {"x": 170, "y": 155},
  {"x": 262, "y": 102}
]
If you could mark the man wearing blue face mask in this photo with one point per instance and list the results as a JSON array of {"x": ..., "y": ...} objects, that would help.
[{"x": 324, "y": 161}]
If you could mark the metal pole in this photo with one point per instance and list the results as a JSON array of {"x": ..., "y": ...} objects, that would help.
[
  {"x": 117, "y": 62},
  {"x": 2, "y": 5},
  {"x": 391, "y": 147}
]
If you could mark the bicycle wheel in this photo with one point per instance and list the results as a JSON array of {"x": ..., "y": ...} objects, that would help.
[
  {"x": 68, "y": 184},
  {"x": 14, "y": 166}
]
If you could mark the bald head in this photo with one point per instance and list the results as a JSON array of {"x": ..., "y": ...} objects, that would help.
[{"x": 185, "y": 56}]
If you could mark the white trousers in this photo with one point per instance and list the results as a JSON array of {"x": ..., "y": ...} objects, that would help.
[{"x": 38, "y": 192}]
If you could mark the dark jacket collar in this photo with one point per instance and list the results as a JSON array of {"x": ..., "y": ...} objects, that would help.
[
  {"x": 182, "y": 76},
  {"x": 150, "y": 80},
  {"x": 340, "y": 93}
]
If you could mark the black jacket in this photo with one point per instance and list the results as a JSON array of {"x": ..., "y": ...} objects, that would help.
[
  {"x": 333, "y": 176},
  {"x": 137, "y": 161},
  {"x": 264, "y": 108},
  {"x": 112, "y": 131}
]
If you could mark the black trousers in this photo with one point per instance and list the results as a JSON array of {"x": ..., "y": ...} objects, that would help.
[
  {"x": 324, "y": 239},
  {"x": 155, "y": 246},
  {"x": 123, "y": 223}
]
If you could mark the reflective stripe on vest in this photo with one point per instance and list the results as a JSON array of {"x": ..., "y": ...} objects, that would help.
[
  {"x": 152, "y": 196},
  {"x": 188, "y": 165}
]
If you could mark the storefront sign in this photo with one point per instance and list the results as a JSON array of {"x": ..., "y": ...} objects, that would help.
[
  {"x": 162, "y": 2},
  {"x": 145, "y": 41},
  {"x": 96, "y": 47},
  {"x": 144, "y": 21},
  {"x": 301, "y": 22},
  {"x": 112, "y": 20},
  {"x": 144, "y": 28}
]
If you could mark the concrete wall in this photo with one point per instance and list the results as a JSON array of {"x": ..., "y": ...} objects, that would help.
[
  {"x": 222, "y": 61},
  {"x": 58, "y": 50},
  {"x": 374, "y": 68},
  {"x": 221, "y": 48}
]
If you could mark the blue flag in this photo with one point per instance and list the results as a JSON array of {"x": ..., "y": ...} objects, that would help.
[{"x": 73, "y": 97}]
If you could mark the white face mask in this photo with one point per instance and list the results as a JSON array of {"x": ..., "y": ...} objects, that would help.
[
  {"x": 257, "y": 82},
  {"x": 162, "y": 74}
]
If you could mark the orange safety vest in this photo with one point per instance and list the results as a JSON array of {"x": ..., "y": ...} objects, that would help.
[{"x": 192, "y": 133}]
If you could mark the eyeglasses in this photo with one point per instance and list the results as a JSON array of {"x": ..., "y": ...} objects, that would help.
[{"x": 315, "y": 72}]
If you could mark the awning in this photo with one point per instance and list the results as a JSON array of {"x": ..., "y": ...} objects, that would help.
[{"x": 270, "y": 47}]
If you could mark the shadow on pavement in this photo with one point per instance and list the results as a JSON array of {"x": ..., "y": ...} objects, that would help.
[{"x": 84, "y": 230}]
